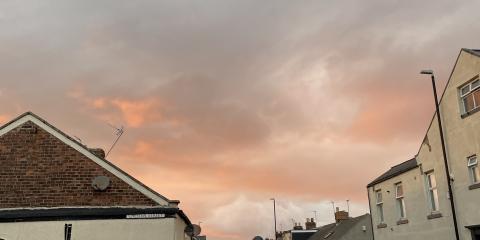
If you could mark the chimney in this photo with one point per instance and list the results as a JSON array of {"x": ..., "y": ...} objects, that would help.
[
  {"x": 310, "y": 224},
  {"x": 341, "y": 215},
  {"x": 97, "y": 152},
  {"x": 298, "y": 227}
]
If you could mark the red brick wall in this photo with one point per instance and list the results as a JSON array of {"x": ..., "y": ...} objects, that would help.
[{"x": 38, "y": 170}]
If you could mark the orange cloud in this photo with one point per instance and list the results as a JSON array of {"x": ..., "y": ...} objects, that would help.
[
  {"x": 4, "y": 119},
  {"x": 136, "y": 113}
]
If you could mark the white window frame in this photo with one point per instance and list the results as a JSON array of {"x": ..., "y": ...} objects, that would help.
[
  {"x": 432, "y": 192},
  {"x": 470, "y": 90},
  {"x": 379, "y": 203},
  {"x": 402, "y": 213},
  {"x": 472, "y": 164}
]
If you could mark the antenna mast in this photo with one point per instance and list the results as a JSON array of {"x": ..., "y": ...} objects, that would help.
[{"x": 118, "y": 132}]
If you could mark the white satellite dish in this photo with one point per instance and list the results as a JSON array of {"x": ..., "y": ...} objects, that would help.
[
  {"x": 101, "y": 183},
  {"x": 193, "y": 230}
]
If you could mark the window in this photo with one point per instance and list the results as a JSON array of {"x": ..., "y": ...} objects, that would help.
[
  {"x": 379, "y": 205},
  {"x": 400, "y": 200},
  {"x": 473, "y": 169},
  {"x": 432, "y": 191},
  {"x": 470, "y": 96}
]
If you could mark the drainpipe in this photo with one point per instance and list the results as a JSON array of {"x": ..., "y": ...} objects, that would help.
[{"x": 371, "y": 217}]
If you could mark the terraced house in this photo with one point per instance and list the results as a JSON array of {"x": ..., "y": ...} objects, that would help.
[
  {"x": 53, "y": 187},
  {"x": 411, "y": 200}
]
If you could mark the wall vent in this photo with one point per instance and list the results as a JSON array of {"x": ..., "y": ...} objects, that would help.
[{"x": 68, "y": 231}]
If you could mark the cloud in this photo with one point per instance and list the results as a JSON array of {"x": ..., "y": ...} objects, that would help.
[
  {"x": 237, "y": 101},
  {"x": 4, "y": 119}
]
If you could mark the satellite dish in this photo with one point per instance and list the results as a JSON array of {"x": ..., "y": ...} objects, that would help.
[
  {"x": 101, "y": 183},
  {"x": 257, "y": 238},
  {"x": 193, "y": 230}
]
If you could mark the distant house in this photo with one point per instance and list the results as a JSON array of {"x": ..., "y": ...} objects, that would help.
[
  {"x": 54, "y": 188},
  {"x": 298, "y": 233},
  {"x": 357, "y": 228},
  {"x": 411, "y": 200},
  {"x": 344, "y": 228}
]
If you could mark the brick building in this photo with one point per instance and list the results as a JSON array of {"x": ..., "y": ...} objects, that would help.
[{"x": 53, "y": 187}]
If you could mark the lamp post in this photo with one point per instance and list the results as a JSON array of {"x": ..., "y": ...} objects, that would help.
[
  {"x": 447, "y": 171},
  {"x": 274, "y": 218},
  {"x": 348, "y": 206}
]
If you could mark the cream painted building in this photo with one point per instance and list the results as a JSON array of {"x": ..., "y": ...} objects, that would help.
[{"x": 410, "y": 201}]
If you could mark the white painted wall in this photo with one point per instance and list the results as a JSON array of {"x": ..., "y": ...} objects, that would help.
[{"x": 119, "y": 229}]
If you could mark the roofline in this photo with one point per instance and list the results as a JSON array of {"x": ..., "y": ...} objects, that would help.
[
  {"x": 374, "y": 182},
  {"x": 444, "y": 90},
  {"x": 470, "y": 51},
  {"x": 158, "y": 198},
  {"x": 86, "y": 213},
  {"x": 475, "y": 52}
]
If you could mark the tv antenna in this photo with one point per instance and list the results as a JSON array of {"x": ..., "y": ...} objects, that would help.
[
  {"x": 118, "y": 132},
  {"x": 78, "y": 139}
]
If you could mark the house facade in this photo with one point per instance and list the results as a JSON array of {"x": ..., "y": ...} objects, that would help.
[
  {"x": 53, "y": 187},
  {"x": 411, "y": 200}
]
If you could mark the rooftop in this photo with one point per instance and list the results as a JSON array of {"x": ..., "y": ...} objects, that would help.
[
  {"x": 395, "y": 171},
  {"x": 337, "y": 230}
]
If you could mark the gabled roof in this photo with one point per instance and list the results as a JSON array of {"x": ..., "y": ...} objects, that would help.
[
  {"x": 335, "y": 231},
  {"x": 139, "y": 186},
  {"x": 395, "y": 171}
]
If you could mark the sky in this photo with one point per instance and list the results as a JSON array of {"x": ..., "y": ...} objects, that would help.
[{"x": 227, "y": 104}]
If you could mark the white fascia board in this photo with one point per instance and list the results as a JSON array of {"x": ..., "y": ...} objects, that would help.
[{"x": 87, "y": 153}]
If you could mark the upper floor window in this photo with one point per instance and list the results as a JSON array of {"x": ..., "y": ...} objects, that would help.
[
  {"x": 432, "y": 191},
  {"x": 379, "y": 201},
  {"x": 473, "y": 169},
  {"x": 400, "y": 200},
  {"x": 470, "y": 95}
]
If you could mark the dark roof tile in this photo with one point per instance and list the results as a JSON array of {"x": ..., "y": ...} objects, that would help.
[
  {"x": 335, "y": 231},
  {"x": 395, "y": 171}
]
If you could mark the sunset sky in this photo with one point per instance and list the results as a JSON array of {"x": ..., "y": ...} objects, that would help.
[{"x": 229, "y": 103}]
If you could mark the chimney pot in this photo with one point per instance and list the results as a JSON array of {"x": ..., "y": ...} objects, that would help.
[{"x": 98, "y": 152}]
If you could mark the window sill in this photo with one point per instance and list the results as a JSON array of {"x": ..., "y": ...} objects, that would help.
[
  {"x": 434, "y": 215},
  {"x": 470, "y": 113},
  {"x": 382, "y": 225},
  {"x": 474, "y": 186},
  {"x": 402, "y": 221}
]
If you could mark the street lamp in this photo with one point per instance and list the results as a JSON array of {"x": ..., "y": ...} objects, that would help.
[
  {"x": 274, "y": 218},
  {"x": 348, "y": 206},
  {"x": 447, "y": 171}
]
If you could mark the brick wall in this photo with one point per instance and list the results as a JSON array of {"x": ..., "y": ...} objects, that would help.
[{"x": 38, "y": 170}]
